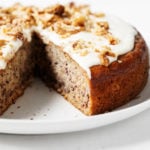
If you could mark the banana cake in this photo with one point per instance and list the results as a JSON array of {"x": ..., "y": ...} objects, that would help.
[{"x": 96, "y": 61}]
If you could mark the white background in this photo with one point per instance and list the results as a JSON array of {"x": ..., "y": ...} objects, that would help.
[{"x": 133, "y": 133}]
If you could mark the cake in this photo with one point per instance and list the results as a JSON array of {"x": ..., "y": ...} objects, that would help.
[{"x": 96, "y": 61}]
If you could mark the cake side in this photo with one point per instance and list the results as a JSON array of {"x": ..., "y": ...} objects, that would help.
[
  {"x": 121, "y": 81},
  {"x": 108, "y": 88}
]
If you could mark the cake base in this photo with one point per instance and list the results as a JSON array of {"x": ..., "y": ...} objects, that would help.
[{"x": 122, "y": 81}]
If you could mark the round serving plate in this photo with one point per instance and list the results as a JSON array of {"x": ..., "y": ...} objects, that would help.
[{"x": 41, "y": 111}]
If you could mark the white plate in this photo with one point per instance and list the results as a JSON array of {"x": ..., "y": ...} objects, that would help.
[{"x": 40, "y": 111}]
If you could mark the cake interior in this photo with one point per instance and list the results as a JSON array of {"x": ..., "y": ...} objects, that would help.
[
  {"x": 16, "y": 77},
  {"x": 60, "y": 72},
  {"x": 49, "y": 63}
]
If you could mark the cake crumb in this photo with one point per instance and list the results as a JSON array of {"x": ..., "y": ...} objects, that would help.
[
  {"x": 18, "y": 107},
  {"x": 34, "y": 114}
]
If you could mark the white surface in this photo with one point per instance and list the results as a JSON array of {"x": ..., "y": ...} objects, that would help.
[
  {"x": 129, "y": 134},
  {"x": 41, "y": 111}
]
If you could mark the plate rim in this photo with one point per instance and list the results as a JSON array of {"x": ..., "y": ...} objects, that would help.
[
  {"x": 24, "y": 126},
  {"x": 16, "y": 125}
]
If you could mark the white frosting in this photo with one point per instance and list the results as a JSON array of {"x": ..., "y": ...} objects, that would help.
[
  {"x": 10, "y": 49},
  {"x": 124, "y": 32},
  {"x": 120, "y": 29}
]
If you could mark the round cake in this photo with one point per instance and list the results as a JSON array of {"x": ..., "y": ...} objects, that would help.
[{"x": 97, "y": 61}]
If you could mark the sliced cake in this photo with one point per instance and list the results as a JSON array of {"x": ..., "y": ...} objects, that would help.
[{"x": 96, "y": 61}]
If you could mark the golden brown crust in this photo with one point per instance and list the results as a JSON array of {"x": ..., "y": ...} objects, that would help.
[{"x": 121, "y": 81}]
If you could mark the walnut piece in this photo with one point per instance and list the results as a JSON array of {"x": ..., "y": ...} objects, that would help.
[
  {"x": 79, "y": 20},
  {"x": 57, "y": 10},
  {"x": 103, "y": 55},
  {"x": 82, "y": 47},
  {"x": 112, "y": 40},
  {"x": 2, "y": 42}
]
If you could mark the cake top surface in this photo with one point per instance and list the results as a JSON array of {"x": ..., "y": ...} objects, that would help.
[{"x": 81, "y": 33}]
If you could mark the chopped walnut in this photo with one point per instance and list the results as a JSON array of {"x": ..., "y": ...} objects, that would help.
[
  {"x": 107, "y": 50},
  {"x": 57, "y": 10},
  {"x": 103, "y": 55},
  {"x": 84, "y": 52},
  {"x": 99, "y": 14},
  {"x": 100, "y": 28},
  {"x": 2, "y": 42},
  {"x": 19, "y": 36},
  {"x": 79, "y": 20},
  {"x": 81, "y": 44},
  {"x": 66, "y": 30},
  {"x": 112, "y": 40},
  {"x": 104, "y": 60},
  {"x": 30, "y": 21},
  {"x": 81, "y": 47},
  {"x": 1, "y": 54},
  {"x": 103, "y": 24},
  {"x": 78, "y": 44},
  {"x": 97, "y": 50}
]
